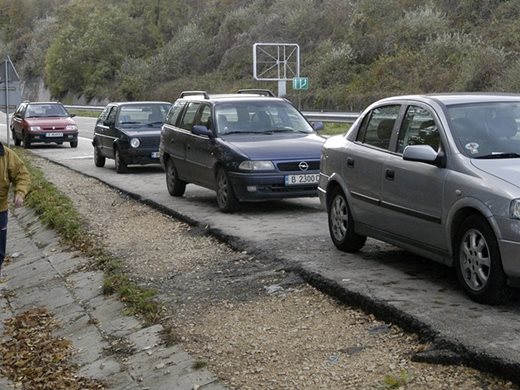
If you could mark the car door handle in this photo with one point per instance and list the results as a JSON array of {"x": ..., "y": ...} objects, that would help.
[
  {"x": 350, "y": 162},
  {"x": 389, "y": 174}
]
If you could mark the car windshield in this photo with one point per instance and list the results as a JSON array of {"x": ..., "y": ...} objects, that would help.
[
  {"x": 144, "y": 116},
  {"x": 486, "y": 130},
  {"x": 261, "y": 117},
  {"x": 45, "y": 111}
]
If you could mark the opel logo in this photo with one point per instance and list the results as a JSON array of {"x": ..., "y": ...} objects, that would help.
[{"x": 303, "y": 166}]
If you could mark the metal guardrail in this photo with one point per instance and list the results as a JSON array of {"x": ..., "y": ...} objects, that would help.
[
  {"x": 85, "y": 108},
  {"x": 336, "y": 117},
  {"x": 339, "y": 117}
]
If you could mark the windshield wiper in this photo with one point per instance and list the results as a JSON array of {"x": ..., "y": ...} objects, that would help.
[
  {"x": 155, "y": 123},
  {"x": 499, "y": 155}
]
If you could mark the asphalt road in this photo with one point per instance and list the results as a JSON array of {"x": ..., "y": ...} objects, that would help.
[{"x": 395, "y": 285}]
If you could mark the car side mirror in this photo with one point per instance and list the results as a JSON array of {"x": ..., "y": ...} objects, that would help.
[
  {"x": 317, "y": 126},
  {"x": 72, "y": 115},
  {"x": 424, "y": 154},
  {"x": 201, "y": 130},
  {"x": 108, "y": 123}
]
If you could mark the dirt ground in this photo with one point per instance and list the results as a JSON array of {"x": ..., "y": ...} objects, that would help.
[{"x": 253, "y": 324}]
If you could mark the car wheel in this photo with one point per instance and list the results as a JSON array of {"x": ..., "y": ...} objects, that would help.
[
  {"x": 99, "y": 160},
  {"x": 176, "y": 187},
  {"x": 26, "y": 141},
  {"x": 17, "y": 141},
  {"x": 73, "y": 144},
  {"x": 226, "y": 198},
  {"x": 478, "y": 262},
  {"x": 121, "y": 166},
  {"x": 341, "y": 224}
]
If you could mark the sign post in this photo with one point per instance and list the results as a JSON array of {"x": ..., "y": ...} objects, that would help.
[
  {"x": 10, "y": 85},
  {"x": 276, "y": 62}
]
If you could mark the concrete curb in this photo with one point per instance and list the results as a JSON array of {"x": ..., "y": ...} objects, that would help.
[{"x": 44, "y": 273}]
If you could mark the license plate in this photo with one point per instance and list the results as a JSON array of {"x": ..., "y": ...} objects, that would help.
[
  {"x": 295, "y": 180},
  {"x": 155, "y": 154},
  {"x": 54, "y": 134}
]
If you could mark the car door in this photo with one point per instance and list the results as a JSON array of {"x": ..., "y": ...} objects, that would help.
[
  {"x": 199, "y": 149},
  {"x": 183, "y": 139},
  {"x": 412, "y": 192},
  {"x": 103, "y": 131},
  {"x": 363, "y": 164},
  {"x": 17, "y": 120},
  {"x": 173, "y": 143}
]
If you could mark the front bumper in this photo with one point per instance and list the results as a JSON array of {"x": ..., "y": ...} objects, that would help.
[
  {"x": 510, "y": 253},
  {"x": 140, "y": 156},
  {"x": 45, "y": 137},
  {"x": 264, "y": 186}
]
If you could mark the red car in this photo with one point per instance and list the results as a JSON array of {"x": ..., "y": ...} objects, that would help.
[{"x": 44, "y": 122}]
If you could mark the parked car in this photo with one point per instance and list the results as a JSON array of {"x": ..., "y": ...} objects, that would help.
[
  {"x": 438, "y": 175},
  {"x": 247, "y": 146},
  {"x": 129, "y": 133},
  {"x": 43, "y": 122}
]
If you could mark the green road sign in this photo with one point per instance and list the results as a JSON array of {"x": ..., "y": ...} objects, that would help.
[{"x": 300, "y": 83}]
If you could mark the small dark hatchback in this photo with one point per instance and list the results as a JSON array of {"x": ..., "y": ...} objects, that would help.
[
  {"x": 129, "y": 133},
  {"x": 247, "y": 146}
]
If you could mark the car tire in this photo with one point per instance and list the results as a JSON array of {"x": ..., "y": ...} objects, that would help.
[
  {"x": 478, "y": 262},
  {"x": 26, "y": 141},
  {"x": 16, "y": 140},
  {"x": 99, "y": 160},
  {"x": 176, "y": 187},
  {"x": 341, "y": 223},
  {"x": 226, "y": 198},
  {"x": 121, "y": 166}
]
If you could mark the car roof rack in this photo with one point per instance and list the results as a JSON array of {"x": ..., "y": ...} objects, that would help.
[
  {"x": 194, "y": 93},
  {"x": 263, "y": 92}
]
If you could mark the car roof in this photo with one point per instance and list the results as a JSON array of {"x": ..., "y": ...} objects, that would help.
[
  {"x": 242, "y": 95},
  {"x": 448, "y": 99},
  {"x": 44, "y": 103},
  {"x": 137, "y": 103}
]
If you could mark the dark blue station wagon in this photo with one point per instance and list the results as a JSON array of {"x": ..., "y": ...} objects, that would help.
[{"x": 247, "y": 146}]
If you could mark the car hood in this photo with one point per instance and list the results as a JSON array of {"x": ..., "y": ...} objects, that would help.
[
  {"x": 146, "y": 132},
  {"x": 53, "y": 121},
  {"x": 276, "y": 147},
  {"x": 505, "y": 169}
]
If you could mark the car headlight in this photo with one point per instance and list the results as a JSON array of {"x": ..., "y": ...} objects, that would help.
[
  {"x": 71, "y": 127},
  {"x": 134, "y": 142},
  {"x": 35, "y": 128},
  {"x": 514, "y": 209},
  {"x": 256, "y": 165}
]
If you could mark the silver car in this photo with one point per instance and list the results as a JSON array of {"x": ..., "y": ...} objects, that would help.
[{"x": 438, "y": 175}]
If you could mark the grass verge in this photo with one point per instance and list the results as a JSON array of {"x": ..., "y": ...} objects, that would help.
[
  {"x": 57, "y": 211},
  {"x": 331, "y": 129}
]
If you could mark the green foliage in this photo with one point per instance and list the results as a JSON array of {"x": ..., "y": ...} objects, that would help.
[
  {"x": 352, "y": 51},
  {"x": 396, "y": 381}
]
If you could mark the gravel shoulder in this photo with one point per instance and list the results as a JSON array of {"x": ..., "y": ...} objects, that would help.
[{"x": 255, "y": 325}]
